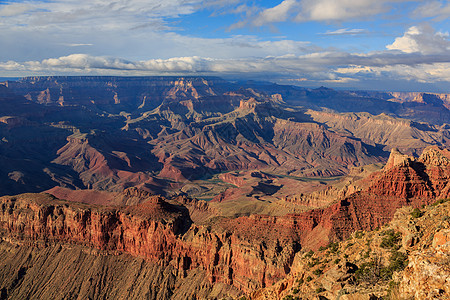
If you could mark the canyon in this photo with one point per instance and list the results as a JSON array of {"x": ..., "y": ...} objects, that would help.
[{"x": 197, "y": 187}]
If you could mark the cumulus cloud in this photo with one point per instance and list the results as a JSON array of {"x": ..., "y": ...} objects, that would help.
[
  {"x": 328, "y": 67},
  {"x": 422, "y": 39}
]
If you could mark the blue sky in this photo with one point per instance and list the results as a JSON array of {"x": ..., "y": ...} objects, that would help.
[{"x": 363, "y": 44}]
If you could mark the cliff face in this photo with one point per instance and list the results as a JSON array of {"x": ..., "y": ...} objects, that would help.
[
  {"x": 157, "y": 230},
  {"x": 114, "y": 93},
  {"x": 407, "y": 258},
  {"x": 239, "y": 254}
]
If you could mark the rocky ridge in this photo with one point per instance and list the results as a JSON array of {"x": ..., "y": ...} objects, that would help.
[
  {"x": 223, "y": 248},
  {"x": 408, "y": 258}
]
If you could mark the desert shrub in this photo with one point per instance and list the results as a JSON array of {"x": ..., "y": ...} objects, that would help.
[
  {"x": 320, "y": 290},
  {"x": 359, "y": 234},
  {"x": 373, "y": 271},
  {"x": 337, "y": 260},
  {"x": 300, "y": 281},
  {"x": 390, "y": 239},
  {"x": 309, "y": 254},
  {"x": 370, "y": 272},
  {"x": 318, "y": 272},
  {"x": 398, "y": 261},
  {"x": 288, "y": 297},
  {"x": 334, "y": 247},
  {"x": 392, "y": 292},
  {"x": 313, "y": 262},
  {"x": 440, "y": 201},
  {"x": 416, "y": 213},
  {"x": 308, "y": 279},
  {"x": 295, "y": 291},
  {"x": 367, "y": 253}
]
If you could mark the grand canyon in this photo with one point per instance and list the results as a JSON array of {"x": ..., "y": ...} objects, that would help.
[{"x": 190, "y": 187}]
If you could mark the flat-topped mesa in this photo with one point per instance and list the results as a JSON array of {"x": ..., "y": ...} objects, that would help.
[{"x": 397, "y": 159}]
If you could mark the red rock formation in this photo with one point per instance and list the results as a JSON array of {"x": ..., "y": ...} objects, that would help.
[
  {"x": 246, "y": 252},
  {"x": 156, "y": 230}
]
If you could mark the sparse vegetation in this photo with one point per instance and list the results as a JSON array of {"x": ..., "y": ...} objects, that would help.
[
  {"x": 313, "y": 262},
  {"x": 440, "y": 201},
  {"x": 392, "y": 292},
  {"x": 359, "y": 234},
  {"x": 320, "y": 290},
  {"x": 374, "y": 271},
  {"x": 398, "y": 261},
  {"x": 309, "y": 254},
  {"x": 416, "y": 213},
  {"x": 390, "y": 239},
  {"x": 334, "y": 247},
  {"x": 318, "y": 272},
  {"x": 308, "y": 279}
]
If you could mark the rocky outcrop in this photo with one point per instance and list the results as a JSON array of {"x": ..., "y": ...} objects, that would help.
[
  {"x": 407, "y": 258},
  {"x": 157, "y": 230}
]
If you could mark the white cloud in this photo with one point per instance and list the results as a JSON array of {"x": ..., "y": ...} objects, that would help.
[
  {"x": 14, "y": 9},
  {"x": 433, "y": 9},
  {"x": 319, "y": 10},
  {"x": 346, "y": 31},
  {"x": 328, "y": 67},
  {"x": 278, "y": 13},
  {"x": 422, "y": 39},
  {"x": 422, "y": 73},
  {"x": 94, "y": 14}
]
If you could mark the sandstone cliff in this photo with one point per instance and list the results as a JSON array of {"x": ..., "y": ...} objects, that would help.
[{"x": 238, "y": 254}]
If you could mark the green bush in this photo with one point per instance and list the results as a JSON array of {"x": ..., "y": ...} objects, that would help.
[
  {"x": 390, "y": 239},
  {"x": 416, "y": 213},
  {"x": 398, "y": 261},
  {"x": 374, "y": 271},
  {"x": 392, "y": 292},
  {"x": 334, "y": 247},
  {"x": 313, "y": 262},
  {"x": 359, "y": 234},
  {"x": 370, "y": 272},
  {"x": 295, "y": 291},
  {"x": 440, "y": 201},
  {"x": 308, "y": 279},
  {"x": 309, "y": 254},
  {"x": 320, "y": 290},
  {"x": 337, "y": 260},
  {"x": 318, "y": 272}
]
